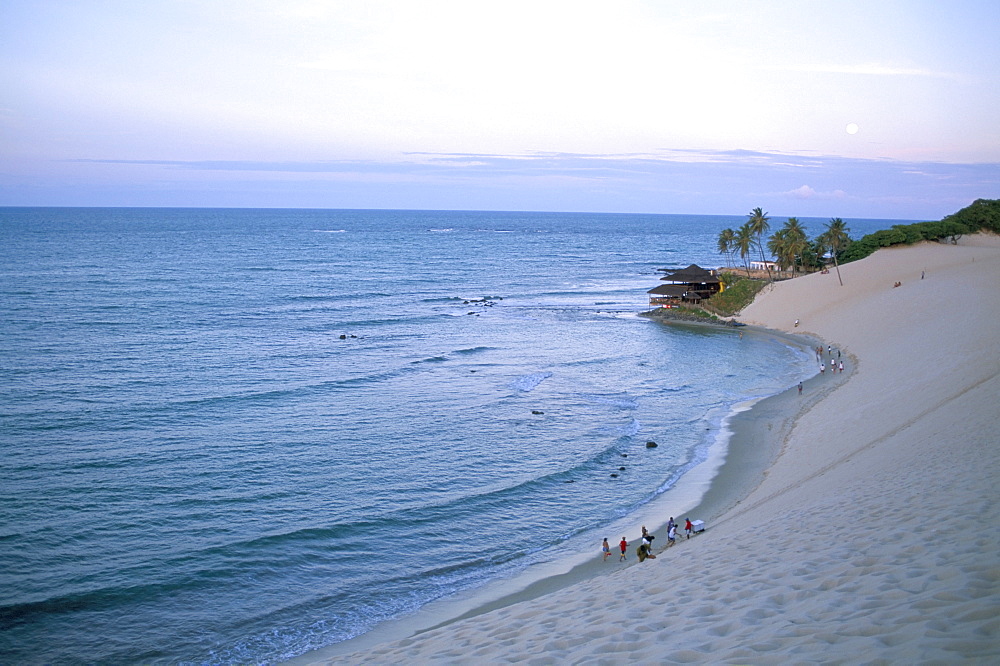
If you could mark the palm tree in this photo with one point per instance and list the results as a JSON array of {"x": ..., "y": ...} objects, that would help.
[
  {"x": 836, "y": 238},
  {"x": 779, "y": 246},
  {"x": 743, "y": 243},
  {"x": 758, "y": 227},
  {"x": 796, "y": 239},
  {"x": 726, "y": 239}
]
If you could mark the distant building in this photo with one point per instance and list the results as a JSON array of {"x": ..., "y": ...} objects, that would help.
[
  {"x": 688, "y": 285},
  {"x": 763, "y": 265}
]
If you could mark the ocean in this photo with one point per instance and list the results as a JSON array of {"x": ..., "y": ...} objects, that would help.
[{"x": 235, "y": 436}]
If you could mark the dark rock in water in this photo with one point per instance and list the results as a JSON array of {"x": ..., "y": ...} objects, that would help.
[
  {"x": 621, "y": 469},
  {"x": 614, "y": 476},
  {"x": 624, "y": 455},
  {"x": 537, "y": 411},
  {"x": 570, "y": 481},
  {"x": 651, "y": 445},
  {"x": 343, "y": 337}
]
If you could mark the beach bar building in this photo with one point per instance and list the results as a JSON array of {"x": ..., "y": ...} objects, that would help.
[{"x": 687, "y": 285}]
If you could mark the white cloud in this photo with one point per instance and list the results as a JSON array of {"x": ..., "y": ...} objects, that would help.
[{"x": 806, "y": 192}]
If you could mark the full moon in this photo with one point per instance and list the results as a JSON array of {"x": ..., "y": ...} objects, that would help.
[{"x": 852, "y": 128}]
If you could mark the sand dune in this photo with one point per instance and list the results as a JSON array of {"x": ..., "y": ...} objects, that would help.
[{"x": 873, "y": 538}]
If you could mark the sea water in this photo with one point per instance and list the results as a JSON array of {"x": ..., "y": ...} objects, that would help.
[{"x": 234, "y": 436}]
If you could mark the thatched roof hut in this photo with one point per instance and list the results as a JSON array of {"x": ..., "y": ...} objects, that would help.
[{"x": 693, "y": 274}]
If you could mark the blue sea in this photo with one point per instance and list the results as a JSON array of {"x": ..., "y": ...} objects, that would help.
[{"x": 235, "y": 436}]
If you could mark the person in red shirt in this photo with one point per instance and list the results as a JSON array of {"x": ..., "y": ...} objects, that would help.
[
  {"x": 688, "y": 527},
  {"x": 623, "y": 545}
]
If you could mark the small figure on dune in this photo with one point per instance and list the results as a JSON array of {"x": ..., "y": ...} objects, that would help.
[
  {"x": 606, "y": 549},
  {"x": 688, "y": 527},
  {"x": 623, "y": 545}
]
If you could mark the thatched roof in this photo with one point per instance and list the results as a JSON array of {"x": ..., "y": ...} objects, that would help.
[
  {"x": 676, "y": 290},
  {"x": 691, "y": 275}
]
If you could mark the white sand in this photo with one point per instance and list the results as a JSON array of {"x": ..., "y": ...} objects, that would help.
[{"x": 874, "y": 538}]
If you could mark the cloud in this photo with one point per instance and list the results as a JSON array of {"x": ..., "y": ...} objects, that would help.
[
  {"x": 806, "y": 192},
  {"x": 697, "y": 181}
]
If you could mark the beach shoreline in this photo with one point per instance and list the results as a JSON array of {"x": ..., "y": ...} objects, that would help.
[
  {"x": 705, "y": 492},
  {"x": 831, "y": 454}
]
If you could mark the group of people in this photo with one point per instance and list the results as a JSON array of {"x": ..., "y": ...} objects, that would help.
[
  {"x": 645, "y": 548},
  {"x": 836, "y": 365}
]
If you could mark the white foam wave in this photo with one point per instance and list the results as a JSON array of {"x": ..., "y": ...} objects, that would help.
[{"x": 529, "y": 382}]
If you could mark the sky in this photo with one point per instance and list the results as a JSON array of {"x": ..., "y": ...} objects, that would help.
[{"x": 870, "y": 108}]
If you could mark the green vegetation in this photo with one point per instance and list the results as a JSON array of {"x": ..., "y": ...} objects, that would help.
[
  {"x": 694, "y": 311},
  {"x": 982, "y": 214},
  {"x": 739, "y": 293},
  {"x": 789, "y": 244},
  {"x": 793, "y": 249}
]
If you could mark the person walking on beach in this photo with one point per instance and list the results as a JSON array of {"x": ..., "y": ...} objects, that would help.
[
  {"x": 671, "y": 535},
  {"x": 623, "y": 545},
  {"x": 841, "y": 366},
  {"x": 647, "y": 538},
  {"x": 606, "y": 549},
  {"x": 688, "y": 527},
  {"x": 670, "y": 523},
  {"x": 800, "y": 388}
]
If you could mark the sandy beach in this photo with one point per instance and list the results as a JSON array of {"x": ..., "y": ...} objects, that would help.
[{"x": 869, "y": 532}]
